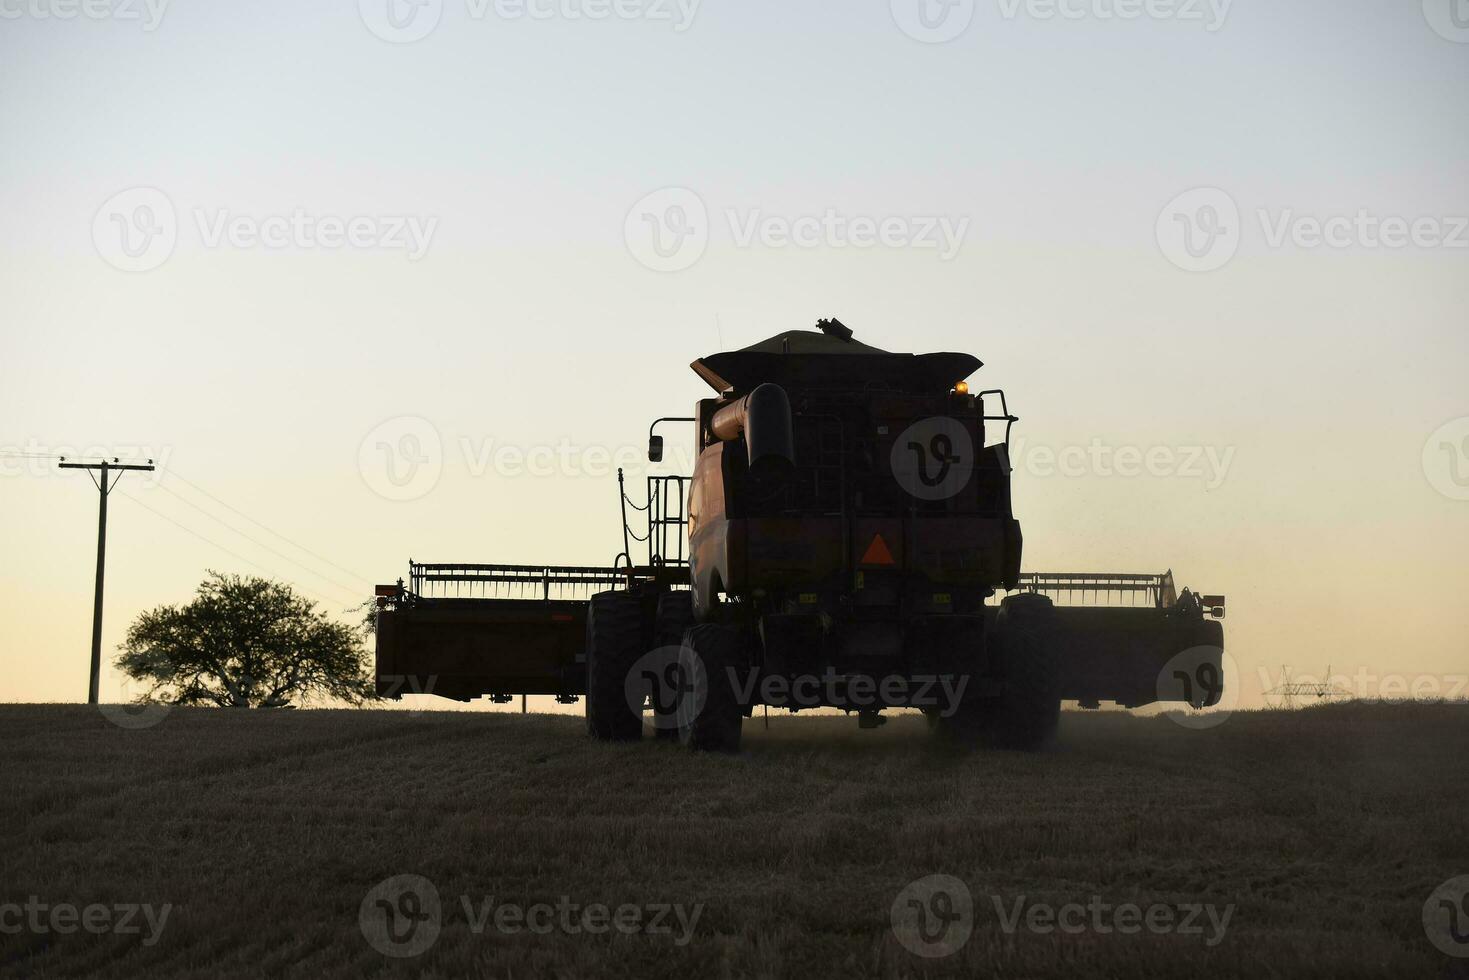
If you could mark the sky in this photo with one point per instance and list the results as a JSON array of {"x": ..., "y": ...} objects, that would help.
[{"x": 1216, "y": 255}]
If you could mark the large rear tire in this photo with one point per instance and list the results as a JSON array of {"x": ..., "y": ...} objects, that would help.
[
  {"x": 614, "y": 643},
  {"x": 709, "y": 714},
  {"x": 674, "y": 617},
  {"x": 1028, "y": 711}
]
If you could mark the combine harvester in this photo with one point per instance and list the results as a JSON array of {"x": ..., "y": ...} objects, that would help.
[{"x": 846, "y": 540}]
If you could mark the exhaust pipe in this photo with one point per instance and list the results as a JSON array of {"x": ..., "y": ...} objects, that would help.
[{"x": 763, "y": 417}]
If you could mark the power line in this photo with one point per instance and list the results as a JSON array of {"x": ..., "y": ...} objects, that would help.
[
  {"x": 22, "y": 454},
  {"x": 169, "y": 471},
  {"x": 105, "y": 483},
  {"x": 232, "y": 553},
  {"x": 350, "y": 589},
  {"x": 114, "y": 461}
]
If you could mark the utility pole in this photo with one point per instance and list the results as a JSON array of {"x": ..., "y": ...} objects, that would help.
[{"x": 104, "y": 483}]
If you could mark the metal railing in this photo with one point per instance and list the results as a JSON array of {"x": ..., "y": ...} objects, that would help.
[
  {"x": 470, "y": 581},
  {"x": 667, "y": 510},
  {"x": 1102, "y": 588}
]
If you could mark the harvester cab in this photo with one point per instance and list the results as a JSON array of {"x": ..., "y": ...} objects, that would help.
[{"x": 845, "y": 540}]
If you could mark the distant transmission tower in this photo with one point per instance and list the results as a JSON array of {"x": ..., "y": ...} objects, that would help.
[{"x": 1287, "y": 692}]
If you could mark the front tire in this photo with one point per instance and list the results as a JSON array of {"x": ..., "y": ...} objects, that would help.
[
  {"x": 1028, "y": 712},
  {"x": 709, "y": 714},
  {"x": 614, "y": 643}
]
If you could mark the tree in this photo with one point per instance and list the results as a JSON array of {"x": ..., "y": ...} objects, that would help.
[{"x": 246, "y": 642}]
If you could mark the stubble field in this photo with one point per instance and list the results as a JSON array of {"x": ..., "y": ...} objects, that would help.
[{"x": 316, "y": 843}]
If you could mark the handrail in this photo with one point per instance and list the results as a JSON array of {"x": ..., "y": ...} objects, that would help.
[
  {"x": 485, "y": 581},
  {"x": 1158, "y": 589}
]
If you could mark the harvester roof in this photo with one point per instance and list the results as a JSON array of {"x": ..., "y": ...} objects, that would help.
[{"x": 799, "y": 359}]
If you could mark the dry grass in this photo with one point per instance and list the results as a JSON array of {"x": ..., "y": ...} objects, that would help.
[{"x": 1327, "y": 829}]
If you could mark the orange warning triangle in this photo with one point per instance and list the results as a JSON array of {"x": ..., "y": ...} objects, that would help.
[{"x": 878, "y": 553}]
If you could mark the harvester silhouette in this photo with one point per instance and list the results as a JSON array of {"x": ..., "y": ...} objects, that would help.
[{"x": 846, "y": 540}]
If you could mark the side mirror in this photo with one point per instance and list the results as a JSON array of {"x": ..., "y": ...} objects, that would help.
[{"x": 655, "y": 449}]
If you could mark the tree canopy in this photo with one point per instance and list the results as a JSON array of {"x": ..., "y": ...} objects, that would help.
[{"x": 246, "y": 642}]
